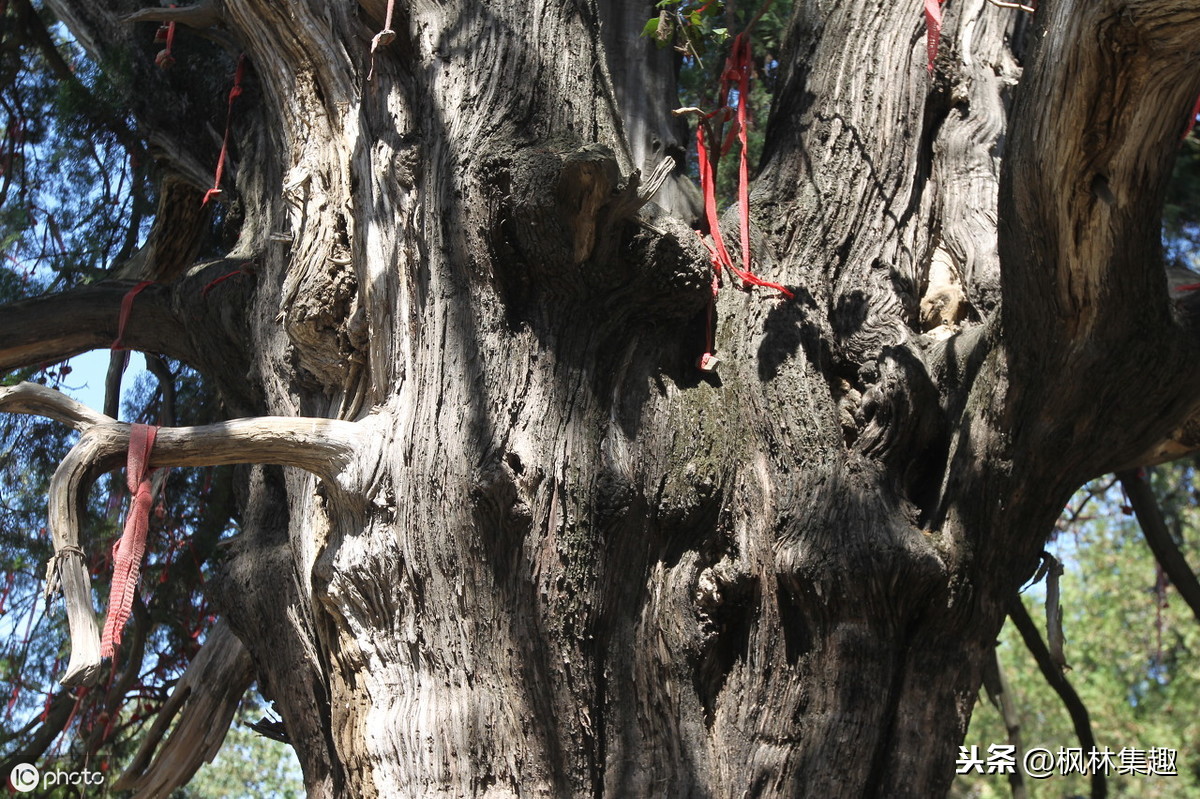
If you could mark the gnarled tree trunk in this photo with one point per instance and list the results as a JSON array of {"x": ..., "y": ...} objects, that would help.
[{"x": 562, "y": 561}]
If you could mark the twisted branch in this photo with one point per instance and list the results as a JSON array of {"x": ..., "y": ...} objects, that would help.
[{"x": 324, "y": 447}]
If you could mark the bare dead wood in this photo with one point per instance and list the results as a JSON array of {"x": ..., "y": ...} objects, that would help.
[
  {"x": 1055, "y": 641},
  {"x": 203, "y": 14},
  {"x": 1000, "y": 693},
  {"x": 33, "y": 399},
  {"x": 205, "y": 700},
  {"x": 321, "y": 446}
]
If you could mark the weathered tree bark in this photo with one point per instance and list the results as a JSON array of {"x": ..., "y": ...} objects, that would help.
[{"x": 568, "y": 563}]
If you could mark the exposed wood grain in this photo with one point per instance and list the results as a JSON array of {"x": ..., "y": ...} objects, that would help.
[
  {"x": 202, "y": 705},
  {"x": 324, "y": 447}
]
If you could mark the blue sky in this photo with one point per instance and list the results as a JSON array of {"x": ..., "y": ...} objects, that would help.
[{"x": 86, "y": 381}]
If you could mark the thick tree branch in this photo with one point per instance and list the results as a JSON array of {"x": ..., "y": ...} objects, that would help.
[
  {"x": 1154, "y": 528},
  {"x": 1180, "y": 442},
  {"x": 180, "y": 321},
  {"x": 30, "y": 398},
  {"x": 48, "y": 727},
  {"x": 1095, "y": 129},
  {"x": 1094, "y": 136},
  {"x": 324, "y": 447},
  {"x": 846, "y": 175},
  {"x": 48, "y": 329}
]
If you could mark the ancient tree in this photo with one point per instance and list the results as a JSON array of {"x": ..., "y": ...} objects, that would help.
[{"x": 503, "y": 536}]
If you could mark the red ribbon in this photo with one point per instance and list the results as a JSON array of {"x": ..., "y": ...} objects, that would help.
[
  {"x": 234, "y": 93},
  {"x": 933, "y": 21},
  {"x": 165, "y": 59},
  {"x": 126, "y": 309},
  {"x": 737, "y": 71},
  {"x": 1192, "y": 119},
  {"x": 131, "y": 546},
  {"x": 219, "y": 280}
]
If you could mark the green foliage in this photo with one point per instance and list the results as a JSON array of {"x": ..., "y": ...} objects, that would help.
[
  {"x": 702, "y": 32},
  {"x": 693, "y": 28},
  {"x": 71, "y": 200}
]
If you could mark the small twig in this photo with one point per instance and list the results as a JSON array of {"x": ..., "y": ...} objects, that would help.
[
  {"x": 1154, "y": 528},
  {"x": 1018, "y": 6},
  {"x": 1061, "y": 686}
]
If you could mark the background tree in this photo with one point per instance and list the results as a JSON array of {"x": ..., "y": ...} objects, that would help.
[{"x": 527, "y": 546}]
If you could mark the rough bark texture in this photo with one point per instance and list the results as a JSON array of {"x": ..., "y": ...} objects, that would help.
[{"x": 569, "y": 563}]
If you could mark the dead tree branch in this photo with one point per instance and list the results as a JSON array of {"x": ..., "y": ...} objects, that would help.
[
  {"x": 205, "y": 699},
  {"x": 324, "y": 447}
]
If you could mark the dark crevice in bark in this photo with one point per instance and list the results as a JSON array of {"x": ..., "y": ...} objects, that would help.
[{"x": 727, "y": 624}]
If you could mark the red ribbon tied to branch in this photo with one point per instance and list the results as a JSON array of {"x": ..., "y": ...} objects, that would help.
[
  {"x": 234, "y": 93},
  {"x": 126, "y": 310},
  {"x": 933, "y": 22},
  {"x": 131, "y": 546},
  {"x": 737, "y": 73},
  {"x": 738, "y": 69}
]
